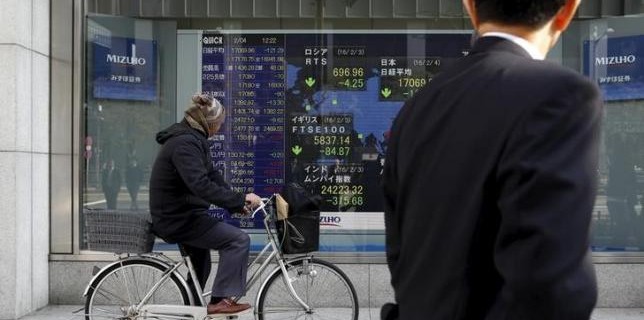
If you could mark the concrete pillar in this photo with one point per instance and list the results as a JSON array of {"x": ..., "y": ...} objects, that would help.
[{"x": 24, "y": 156}]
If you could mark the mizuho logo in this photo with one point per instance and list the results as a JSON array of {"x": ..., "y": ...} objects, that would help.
[
  {"x": 605, "y": 61},
  {"x": 330, "y": 221},
  {"x": 131, "y": 60}
]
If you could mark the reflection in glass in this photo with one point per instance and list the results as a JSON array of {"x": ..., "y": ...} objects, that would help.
[{"x": 130, "y": 95}]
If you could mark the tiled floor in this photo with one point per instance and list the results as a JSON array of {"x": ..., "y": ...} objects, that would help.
[
  {"x": 54, "y": 312},
  {"x": 618, "y": 314}
]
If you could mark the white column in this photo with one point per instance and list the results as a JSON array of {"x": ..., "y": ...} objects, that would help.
[{"x": 24, "y": 156}]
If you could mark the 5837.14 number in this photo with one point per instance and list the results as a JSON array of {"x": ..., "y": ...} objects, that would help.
[{"x": 331, "y": 140}]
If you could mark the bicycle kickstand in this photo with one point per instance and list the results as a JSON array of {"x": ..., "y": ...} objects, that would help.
[
  {"x": 232, "y": 316},
  {"x": 226, "y": 317}
]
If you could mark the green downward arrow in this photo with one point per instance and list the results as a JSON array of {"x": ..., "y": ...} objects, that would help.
[
  {"x": 309, "y": 81},
  {"x": 296, "y": 150},
  {"x": 386, "y": 92}
]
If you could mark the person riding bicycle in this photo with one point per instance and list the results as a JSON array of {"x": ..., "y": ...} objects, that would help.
[{"x": 183, "y": 184}]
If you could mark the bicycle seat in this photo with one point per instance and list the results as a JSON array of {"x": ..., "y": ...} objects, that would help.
[
  {"x": 182, "y": 249},
  {"x": 160, "y": 237}
]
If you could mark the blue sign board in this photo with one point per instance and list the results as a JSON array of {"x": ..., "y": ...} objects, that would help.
[
  {"x": 615, "y": 64},
  {"x": 125, "y": 69}
]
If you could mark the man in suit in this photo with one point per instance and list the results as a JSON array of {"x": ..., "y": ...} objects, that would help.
[
  {"x": 111, "y": 183},
  {"x": 490, "y": 178}
]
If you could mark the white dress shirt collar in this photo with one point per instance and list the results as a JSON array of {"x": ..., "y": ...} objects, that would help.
[{"x": 523, "y": 43}]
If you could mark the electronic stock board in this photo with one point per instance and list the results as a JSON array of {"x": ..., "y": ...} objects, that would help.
[{"x": 316, "y": 108}]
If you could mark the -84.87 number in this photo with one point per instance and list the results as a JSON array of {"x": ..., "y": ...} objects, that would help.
[{"x": 335, "y": 151}]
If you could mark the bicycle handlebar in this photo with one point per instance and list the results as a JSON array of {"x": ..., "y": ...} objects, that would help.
[{"x": 265, "y": 202}]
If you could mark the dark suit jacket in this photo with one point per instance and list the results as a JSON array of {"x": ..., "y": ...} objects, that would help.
[{"x": 489, "y": 181}]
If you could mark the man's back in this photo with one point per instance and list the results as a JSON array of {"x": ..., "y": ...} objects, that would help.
[{"x": 489, "y": 189}]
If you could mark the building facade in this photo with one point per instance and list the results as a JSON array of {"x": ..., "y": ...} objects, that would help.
[{"x": 310, "y": 87}]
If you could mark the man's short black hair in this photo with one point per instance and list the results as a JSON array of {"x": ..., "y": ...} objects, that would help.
[{"x": 529, "y": 13}]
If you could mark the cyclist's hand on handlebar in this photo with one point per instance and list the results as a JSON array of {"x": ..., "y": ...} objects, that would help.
[{"x": 252, "y": 201}]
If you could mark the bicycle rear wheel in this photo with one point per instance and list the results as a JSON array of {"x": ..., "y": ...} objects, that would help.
[
  {"x": 320, "y": 284},
  {"x": 116, "y": 292}
]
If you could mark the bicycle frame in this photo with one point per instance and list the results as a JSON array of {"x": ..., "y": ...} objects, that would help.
[
  {"x": 199, "y": 312},
  {"x": 274, "y": 254}
]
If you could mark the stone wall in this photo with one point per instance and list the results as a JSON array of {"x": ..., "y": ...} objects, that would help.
[{"x": 24, "y": 156}]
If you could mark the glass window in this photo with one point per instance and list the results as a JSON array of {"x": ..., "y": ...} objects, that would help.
[
  {"x": 611, "y": 53},
  {"x": 130, "y": 96},
  {"x": 304, "y": 105},
  {"x": 310, "y": 100},
  {"x": 313, "y": 107}
]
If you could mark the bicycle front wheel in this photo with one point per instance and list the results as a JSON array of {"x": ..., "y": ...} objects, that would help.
[
  {"x": 116, "y": 292},
  {"x": 321, "y": 285}
]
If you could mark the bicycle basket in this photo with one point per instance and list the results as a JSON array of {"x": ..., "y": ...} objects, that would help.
[
  {"x": 299, "y": 232},
  {"x": 118, "y": 231}
]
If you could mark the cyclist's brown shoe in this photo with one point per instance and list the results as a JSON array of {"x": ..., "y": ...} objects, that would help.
[{"x": 227, "y": 306}]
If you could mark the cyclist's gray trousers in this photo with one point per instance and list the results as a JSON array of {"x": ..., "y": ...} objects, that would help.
[{"x": 233, "y": 245}]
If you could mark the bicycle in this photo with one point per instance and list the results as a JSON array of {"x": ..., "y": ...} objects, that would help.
[{"x": 150, "y": 285}]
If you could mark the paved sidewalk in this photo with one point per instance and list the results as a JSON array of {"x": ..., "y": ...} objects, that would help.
[{"x": 54, "y": 312}]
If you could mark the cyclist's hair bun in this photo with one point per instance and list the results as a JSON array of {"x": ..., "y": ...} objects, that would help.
[{"x": 201, "y": 100}]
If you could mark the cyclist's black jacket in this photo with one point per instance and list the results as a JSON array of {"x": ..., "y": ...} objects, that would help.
[{"x": 184, "y": 183}]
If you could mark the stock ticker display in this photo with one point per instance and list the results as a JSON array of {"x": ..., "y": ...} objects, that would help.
[{"x": 315, "y": 108}]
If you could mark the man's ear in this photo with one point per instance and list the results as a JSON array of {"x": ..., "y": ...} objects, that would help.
[
  {"x": 470, "y": 7},
  {"x": 564, "y": 16}
]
